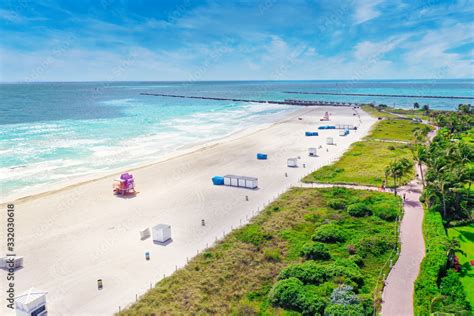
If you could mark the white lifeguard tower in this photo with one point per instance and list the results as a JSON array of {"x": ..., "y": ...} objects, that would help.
[{"x": 31, "y": 303}]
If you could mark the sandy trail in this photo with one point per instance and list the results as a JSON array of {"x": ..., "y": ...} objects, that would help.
[{"x": 73, "y": 237}]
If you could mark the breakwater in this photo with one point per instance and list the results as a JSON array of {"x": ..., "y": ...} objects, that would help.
[
  {"x": 287, "y": 101},
  {"x": 384, "y": 95}
]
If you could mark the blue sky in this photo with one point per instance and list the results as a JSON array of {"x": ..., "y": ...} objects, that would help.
[{"x": 235, "y": 40}]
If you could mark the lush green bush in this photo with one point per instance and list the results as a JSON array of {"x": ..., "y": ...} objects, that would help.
[
  {"x": 329, "y": 233},
  {"x": 309, "y": 272},
  {"x": 387, "y": 214},
  {"x": 292, "y": 294},
  {"x": 343, "y": 310},
  {"x": 252, "y": 234},
  {"x": 359, "y": 210},
  {"x": 345, "y": 271},
  {"x": 453, "y": 292},
  {"x": 285, "y": 293},
  {"x": 434, "y": 263},
  {"x": 374, "y": 245},
  {"x": 337, "y": 204},
  {"x": 315, "y": 251}
]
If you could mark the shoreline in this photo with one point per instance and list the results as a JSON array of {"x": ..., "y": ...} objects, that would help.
[
  {"x": 88, "y": 233},
  {"x": 182, "y": 151}
]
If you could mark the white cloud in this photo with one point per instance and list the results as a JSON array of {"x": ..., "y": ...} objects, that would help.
[{"x": 366, "y": 10}]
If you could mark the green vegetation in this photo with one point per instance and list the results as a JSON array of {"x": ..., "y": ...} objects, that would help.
[
  {"x": 396, "y": 129},
  {"x": 363, "y": 163},
  {"x": 465, "y": 235},
  {"x": 275, "y": 266},
  {"x": 433, "y": 265},
  {"x": 439, "y": 286}
]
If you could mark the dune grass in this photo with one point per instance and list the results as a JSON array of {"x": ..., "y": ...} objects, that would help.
[
  {"x": 465, "y": 235},
  {"x": 235, "y": 276},
  {"x": 394, "y": 129},
  {"x": 364, "y": 163}
]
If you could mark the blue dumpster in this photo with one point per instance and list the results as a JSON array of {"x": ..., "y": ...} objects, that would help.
[
  {"x": 217, "y": 180},
  {"x": 261, "y": 156}
]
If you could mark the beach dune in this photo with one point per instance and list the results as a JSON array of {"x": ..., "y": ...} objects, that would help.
[{"x": 74, "y": 236}]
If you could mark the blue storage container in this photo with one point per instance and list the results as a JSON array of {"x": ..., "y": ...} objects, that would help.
[
  {"x": 311, "y": 133},
  {"x": 261, "y": 156},
  {"x": 218, "y": 180}
]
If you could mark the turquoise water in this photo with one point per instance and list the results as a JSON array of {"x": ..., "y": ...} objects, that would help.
[{"x": 52, "y": 132}]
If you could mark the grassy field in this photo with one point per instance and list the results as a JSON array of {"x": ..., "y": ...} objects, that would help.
[
  {"x": 242, "y": 274},
  {"x": 465, "y": 234},
  {"x": 393, "y": 129},
  {"x": 363, "y": 163},
  {"x": 388, "y": 112}
]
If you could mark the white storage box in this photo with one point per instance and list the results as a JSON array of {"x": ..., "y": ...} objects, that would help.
[
  {"x": 292, "y": 162},
  {"x": 330, "y": 141},
  {"x": 312, "y": 152},
  {"x": 144, "y": 233},
  {"x": 161, "y": 232},
  {"x": 241, "y": 181}
]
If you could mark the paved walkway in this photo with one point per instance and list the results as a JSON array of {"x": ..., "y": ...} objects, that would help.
[{"x": 397, "y": 297}]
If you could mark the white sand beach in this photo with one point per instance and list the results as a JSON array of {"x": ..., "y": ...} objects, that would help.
[{"x": 72, "y": 237}]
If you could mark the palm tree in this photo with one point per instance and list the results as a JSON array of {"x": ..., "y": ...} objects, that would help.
[
  {"x": 454, "y": 247},
  {"x": 419, "y": 156},
  {"x": 397, "y": 170},
  {"x": 416, "y": 105}
]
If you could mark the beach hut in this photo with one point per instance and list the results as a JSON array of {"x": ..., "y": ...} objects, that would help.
[
  {"x": 144, "y": 233},
  {"x": 217, "y": 180},
  {"x": 261, "y": 156},
  {"x": 330, "y": 141},
  {"x": 31, "y": 303},
  {"x": 161, "y": 232},
  {"x": 241, "y": 181},
  {"x": 11, "y": 262},
  {"x": 312, "y": 151},
  {"x": 292, "y": 162}
]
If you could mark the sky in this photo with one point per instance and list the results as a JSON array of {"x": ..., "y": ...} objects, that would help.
[{"x": 113, "y": 40}]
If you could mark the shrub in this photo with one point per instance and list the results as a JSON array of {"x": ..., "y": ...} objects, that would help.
[
  {"x": 342, "y": 310},
  {"x": 391, "y": 147},
  {"x": 434, "y": 263},
  {"x": 388, "y": 215},
  {"x": 375, "y": 245},
  {"x": 315, "y": 251},
  {"x": 454, "y": 296},
  {"x": 344, "y": 295},
  {"x": 309, "y": 303},
  {"x": 308, "y": 272},
  {"x": 345, "y": 271},
  {"x": 251, "y": 234},
  {"x": 337, "y": 204},
  {"x": 271, "y": 254},
  {"x": 292, "y": 294},
  {"x": 329, "y": 233},
  {"x": 359, "y": 210},
  {"x": 285, "y": 293},
  {"x": 386, "y": 210}
]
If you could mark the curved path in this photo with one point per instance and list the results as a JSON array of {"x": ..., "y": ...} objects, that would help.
[{"x": 399, "y": 286}]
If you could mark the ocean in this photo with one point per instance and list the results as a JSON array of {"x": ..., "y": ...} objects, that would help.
[{"x": 56, "y": 132}]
